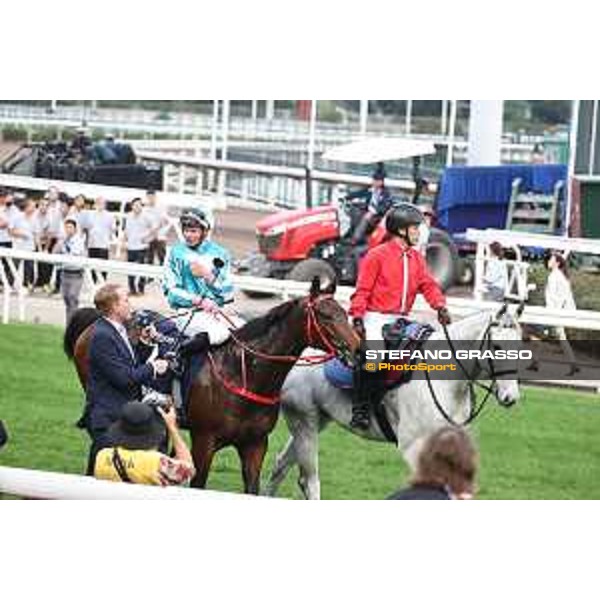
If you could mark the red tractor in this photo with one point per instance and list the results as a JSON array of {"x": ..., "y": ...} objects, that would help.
[{"x": 299, "y": 244}]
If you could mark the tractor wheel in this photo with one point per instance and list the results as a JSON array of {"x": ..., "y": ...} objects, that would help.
[
  {"x": 442, "y": 258},
  {"x": 254, "y": 265},
  {"x": 311, "y": 267}
]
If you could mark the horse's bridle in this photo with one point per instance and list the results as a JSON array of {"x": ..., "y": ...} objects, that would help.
[
  {"x": 314, "y": 333},
  {"x": 471, "y": 378},
  {"x": 311, "y": 325}
]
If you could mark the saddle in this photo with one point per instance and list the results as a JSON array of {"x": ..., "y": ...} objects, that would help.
[{"x": 402, "y": 334}]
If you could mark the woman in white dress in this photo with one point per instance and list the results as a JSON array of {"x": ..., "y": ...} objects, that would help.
[{"x": 559, "y": 296}]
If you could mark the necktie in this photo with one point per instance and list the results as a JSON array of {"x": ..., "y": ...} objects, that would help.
[{"x": 123, "y": 333}]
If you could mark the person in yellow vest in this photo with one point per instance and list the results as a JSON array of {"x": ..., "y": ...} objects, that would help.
[{"x": 133, "y": 455}]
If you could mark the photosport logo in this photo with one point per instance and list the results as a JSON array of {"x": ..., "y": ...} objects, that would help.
[{"x": 482, "y": 359}]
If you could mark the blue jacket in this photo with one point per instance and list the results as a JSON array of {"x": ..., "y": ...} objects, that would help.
[
  {"x": 181, "y": 286},
  {"x": 114, "y": 377}
]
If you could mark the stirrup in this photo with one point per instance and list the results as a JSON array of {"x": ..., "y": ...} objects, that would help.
[{"x": 361, "y": 419}]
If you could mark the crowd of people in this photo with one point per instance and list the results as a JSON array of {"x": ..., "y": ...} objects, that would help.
[{"x": 76, "y": 226}]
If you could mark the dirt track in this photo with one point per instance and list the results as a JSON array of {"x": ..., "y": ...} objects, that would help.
[{"x": 235, "y": 229}]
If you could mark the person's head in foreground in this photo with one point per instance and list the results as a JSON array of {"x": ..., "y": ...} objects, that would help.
[
  {"x": 448, "y": 460},
  {"x": 137, "y": 429},
  {"x": 134, "y": 447}
]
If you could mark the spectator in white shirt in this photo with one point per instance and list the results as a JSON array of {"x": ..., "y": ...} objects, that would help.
[
  {"x": 160, "y": 225},
  {"x": 137, "y": 233},
  {"x": 45, "y": 242},
  {"x": 77, "y": 211},
  {"x": 63, "y": 209},
  {"x": 100, "y": 225},
  {"x": 559, "y": 296},
  {"x": 23, "y": 231},
  {"x": 7, "y": 215},
  {"x": 72, "y": 275},
  {"x": 496, "y": 274},
  {"x": 56, "y": 216}
]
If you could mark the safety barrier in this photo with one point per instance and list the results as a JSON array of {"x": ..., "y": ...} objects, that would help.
[
  {"x": 459, "y": 307},
  {"x": 46, "y": 485},
  {"x": 517, "y": 239}
]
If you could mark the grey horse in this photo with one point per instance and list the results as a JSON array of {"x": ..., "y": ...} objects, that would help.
[{"x": 310, "y": 403}]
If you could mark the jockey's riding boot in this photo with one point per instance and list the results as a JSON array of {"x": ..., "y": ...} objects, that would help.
[
  {"x": 361, "y": 416},
  {"x": 196, "y": 345}
]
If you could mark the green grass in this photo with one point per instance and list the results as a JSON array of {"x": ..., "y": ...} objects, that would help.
[{"x": 546, "y": 448}]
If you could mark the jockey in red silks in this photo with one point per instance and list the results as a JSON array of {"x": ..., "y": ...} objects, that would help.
[{"x": 389, "y": 279}]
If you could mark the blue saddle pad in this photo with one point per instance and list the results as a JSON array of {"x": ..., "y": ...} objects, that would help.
[{"x": 338, "y": 374}]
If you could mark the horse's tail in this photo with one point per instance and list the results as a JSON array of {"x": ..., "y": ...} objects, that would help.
[{"x": 78, "y": 323}]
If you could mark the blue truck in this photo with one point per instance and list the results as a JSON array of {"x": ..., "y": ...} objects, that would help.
[{"x": 520, "y": 197}]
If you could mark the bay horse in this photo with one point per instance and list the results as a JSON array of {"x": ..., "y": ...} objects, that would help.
[
  {"x": 234, "y": 399},
  {"x": 414, "y": 410}
]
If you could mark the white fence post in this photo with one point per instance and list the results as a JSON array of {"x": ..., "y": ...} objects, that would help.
[{"x": 181, "y": 180}]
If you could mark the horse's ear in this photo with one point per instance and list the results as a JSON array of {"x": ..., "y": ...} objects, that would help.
[
  {"x": 315, "y": 287},
  {"x": 330, "y": 289},
  {"x": 501, "y": 312},
  {"x": 520, "y": 309}
]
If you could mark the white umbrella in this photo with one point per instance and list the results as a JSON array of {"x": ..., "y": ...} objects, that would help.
[{"x": 376, "y": 150}]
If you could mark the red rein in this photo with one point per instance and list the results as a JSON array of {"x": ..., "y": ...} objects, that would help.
[{"x": 311, "y": 326}]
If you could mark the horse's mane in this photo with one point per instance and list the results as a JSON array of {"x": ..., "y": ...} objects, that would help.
[
  {"x": 457, "y": 327},
  {"x": 261, "y": 325},
  {"x": 78, "y": 323},
  {"x": 474, "y": 318}
]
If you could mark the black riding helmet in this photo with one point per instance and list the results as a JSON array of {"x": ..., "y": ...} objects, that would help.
[
  {"x": 194, "y": 217},
  {"x": 402, "y": 216}
]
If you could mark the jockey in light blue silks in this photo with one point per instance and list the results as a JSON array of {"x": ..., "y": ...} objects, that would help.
[{"x": 192, "y": 279}]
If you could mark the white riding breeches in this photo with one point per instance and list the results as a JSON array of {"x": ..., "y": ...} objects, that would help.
[
  {"x": 215, "y": 324},
  {"x": 374, "y": 322}
]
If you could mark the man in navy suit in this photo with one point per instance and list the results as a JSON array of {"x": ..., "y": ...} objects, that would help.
[{"x": 115, "y": 377}]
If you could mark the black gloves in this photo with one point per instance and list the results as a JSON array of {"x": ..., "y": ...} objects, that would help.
[
  {"x": 444, "y": 316},
  {"x": 359, "y": 327}
]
